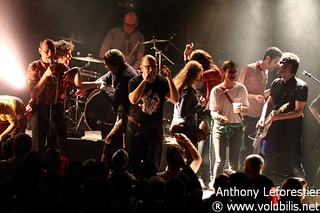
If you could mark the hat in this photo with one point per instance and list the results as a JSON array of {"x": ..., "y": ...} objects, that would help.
[
  {"x": 120, "y": 159},
  {"x": 114, "y": 57}
]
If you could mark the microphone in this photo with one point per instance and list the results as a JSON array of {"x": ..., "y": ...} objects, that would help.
[
  {"x": 304, "y": 72},
  {"x": 169, "y": 43},
  {"x": 149, "y": 76},
  {"x": 51, "y": 61}
]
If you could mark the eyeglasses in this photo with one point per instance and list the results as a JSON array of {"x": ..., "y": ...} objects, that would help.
[
  {"x": 149, "y": 66},
  {"x": 130, "y": 25},
  {"x": 282, "y": 62}
]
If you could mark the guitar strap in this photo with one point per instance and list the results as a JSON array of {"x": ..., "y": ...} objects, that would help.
[{"x": 227, "y": 95}]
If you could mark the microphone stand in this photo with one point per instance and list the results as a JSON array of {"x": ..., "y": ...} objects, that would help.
[
  {"x": 309, "y": 74},
  {"x": 159, "y": 54}
]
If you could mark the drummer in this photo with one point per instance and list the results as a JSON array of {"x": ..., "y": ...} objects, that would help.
[{"x": 114, "y": 85}]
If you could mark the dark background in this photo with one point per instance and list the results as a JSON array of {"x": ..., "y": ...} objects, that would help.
[{"x": 228, "y": 29}]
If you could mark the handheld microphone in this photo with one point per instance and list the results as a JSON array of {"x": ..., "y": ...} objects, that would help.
[
  {"x": 149, "y": 76},
  {"x": 169, "y": 43}
]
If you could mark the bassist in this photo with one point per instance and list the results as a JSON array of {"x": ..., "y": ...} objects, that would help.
[{"x": 285, "y": 133}]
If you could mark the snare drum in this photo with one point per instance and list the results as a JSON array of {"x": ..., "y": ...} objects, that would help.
[{"x": 98, "y": 111}]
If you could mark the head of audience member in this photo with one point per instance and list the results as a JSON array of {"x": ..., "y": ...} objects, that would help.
[
  {"x": 113, "y": 59},
  {"x": 149, "y": 67},
  {"x": 130, "y": 22},
  {"x": 146, "y": 169},
  {"x": 272, "y": 56},
  {"x": 93, "y": 167},
  {"x": 64, "y": 51},
  {"x": 120, "y": 160},
  {"x": 47, "y": 50},
  {"x": 288, "y": 61},
  {"x": 293, "y": 184},
  {"x": 175, "y": 157},
  {"x": 51, "y": 160},
  {"x": 253, "y": 165},
  {"x": 21, "y": 145},
  {"x": 203, "y": 57},
  {"x": 188, "y": 75},
  {"x": 229, "y": 70},
  {"x": 263, "y": 185}
]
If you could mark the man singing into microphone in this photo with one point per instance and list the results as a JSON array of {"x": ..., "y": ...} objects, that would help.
[
  {"x": 147, "y": 94},
  {"x": 48, "y": 80}
]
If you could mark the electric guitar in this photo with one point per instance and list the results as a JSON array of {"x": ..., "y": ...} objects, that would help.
[{"x": 267, "y": 125}]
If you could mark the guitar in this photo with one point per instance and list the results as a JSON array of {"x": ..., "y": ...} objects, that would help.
[{"x": 267, "y": 125}]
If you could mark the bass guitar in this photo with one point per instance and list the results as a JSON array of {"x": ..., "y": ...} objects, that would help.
[{"x": 267, "y": 125}]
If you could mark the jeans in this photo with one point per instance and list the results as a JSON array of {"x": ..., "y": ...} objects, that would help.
[{"x": 220, "y": 143}]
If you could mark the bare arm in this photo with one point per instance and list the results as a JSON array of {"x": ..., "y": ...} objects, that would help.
[
  {"x": 38, "y": 88},
  {"x": 173, "y": 95},
  {"x": 187, "y": 51},
  {"x": 136, "y": 95},
  {"x": 297, "y": 112},
  {"x": 12, "y": 119},
  {"x": 197, "y": 159},
  {"x": 265, "y": 109}
]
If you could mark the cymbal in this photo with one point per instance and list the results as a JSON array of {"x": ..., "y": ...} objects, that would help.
[
  {"x": 89, "y": 59},
  {"x": 152, "y": 41},
  {"x": 71, "y": 39}
]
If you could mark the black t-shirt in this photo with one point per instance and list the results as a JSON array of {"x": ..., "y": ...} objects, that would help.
[
  {"x": 150, "y": 107},
  {"x": 120, "y": 82},
  {"x": 283, "y": 92}
]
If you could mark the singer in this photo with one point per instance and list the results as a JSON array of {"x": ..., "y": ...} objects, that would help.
[
  {"x": 48, "y": 80},
  {"x": 144, "y": 133}
]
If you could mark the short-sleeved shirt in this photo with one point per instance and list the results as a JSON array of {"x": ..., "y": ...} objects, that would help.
[
  {"x": 120, "y": 82},
  {"x": 293, "y": 90},
  {"x": 35, "y": 72},
  {"x": 255, "y": 80},
  {"x": 117, "y": 38},
  {"x": 149, "y": 110}
]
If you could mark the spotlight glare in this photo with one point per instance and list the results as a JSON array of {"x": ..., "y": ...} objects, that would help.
[{"x": 11, "y": 71}]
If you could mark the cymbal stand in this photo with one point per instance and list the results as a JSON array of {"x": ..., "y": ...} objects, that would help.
[{"x": 159, "y": 55}]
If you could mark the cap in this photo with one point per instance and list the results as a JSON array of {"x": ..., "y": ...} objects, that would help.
[
  {"x": 120, "y": 160},
  {"x": 114, "y": 57}
]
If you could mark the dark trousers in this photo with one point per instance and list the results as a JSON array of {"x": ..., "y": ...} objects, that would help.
[
  {"x": 143, "y": 143},
  {"x": 46, "y": 132},
  {"x": 285, "y": 136},
  {"x": 249, "y": 124}
]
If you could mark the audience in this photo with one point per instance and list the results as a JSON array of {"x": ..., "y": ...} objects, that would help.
[{"x": 91, "y": 186}]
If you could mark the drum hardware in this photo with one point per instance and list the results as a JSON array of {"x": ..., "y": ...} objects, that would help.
[
  {"x": 153, "y": 41},
  {"x": 73, "y": 109},
  {"x": 90, "y": 74},
  {"x": 89, "y": 59},
  {"x": 158, "y": 53},
  {"x": 72, "y": 39},
  {"x": 98, "y": 112}
]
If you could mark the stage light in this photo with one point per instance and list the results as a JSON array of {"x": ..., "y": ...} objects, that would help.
[{"x": 11, "y": 72}]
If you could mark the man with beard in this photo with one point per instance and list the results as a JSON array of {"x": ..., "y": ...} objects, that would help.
[{"x": 254, "y": 77}]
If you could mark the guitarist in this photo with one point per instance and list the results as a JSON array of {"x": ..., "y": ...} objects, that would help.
[{"x": 285, "y": 133}]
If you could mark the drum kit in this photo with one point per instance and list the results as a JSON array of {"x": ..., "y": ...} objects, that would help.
[
  {"x": 81, "y": 109},
  {"x": 95, "y": 109}
]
